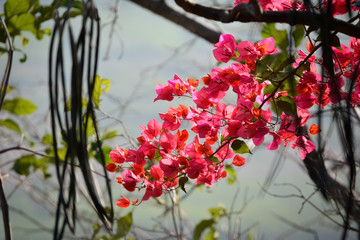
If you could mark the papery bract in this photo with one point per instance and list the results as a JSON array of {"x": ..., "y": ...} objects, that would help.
[
  {"x": 123, "y": 202},
  {"x": 238, "y": 160},
  {"x": 153, "y": 130},
  {"x": 153, "y": 189},
  {"x": 305, "y": 146},
  {"x": 169, "y": 165},
  {"x": 225, "y": 48},
  {"x": 118, "y": 155}
]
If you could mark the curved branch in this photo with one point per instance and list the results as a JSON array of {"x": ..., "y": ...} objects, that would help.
[
  {"x": 166, "y": 11},
  {"x": 245, "y": 12}
]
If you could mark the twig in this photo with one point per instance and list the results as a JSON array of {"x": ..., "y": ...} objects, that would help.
[{"x": 5, "y": 210}]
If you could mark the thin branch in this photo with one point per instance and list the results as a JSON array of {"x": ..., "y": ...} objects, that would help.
[
  {"x": 6, "y": 77},
  {"x": 5, "y": 211}
]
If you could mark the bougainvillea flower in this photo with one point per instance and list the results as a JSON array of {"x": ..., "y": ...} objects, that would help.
[
  {"x": 169, "y": 165},
  {"x": 153, "y": 129},
  {"x": 197, "y": 166},
  {"x": 130, "y": 179},
  {"x": 354, "y": 44},
  {"x": 181, "y": 137},
  {"x": 206, "y": 179},
  {"x": 111, "y": 167},
  {"x": 123, "y": 202},
  {"x": 153, "y": 189},
  {"x": 238, "y": 160},
  {"x": 118, "y": 155},
  {"x": 250, "y": 52},
  {"x": 175, "y": 86},
  {"x": 224, "y": 153},
  {"x": 302, "y": 57},
  {"x": 164, "y": 159},
  {"x": 156, "y": 172},
  {"x": 171, "y": 120},
  {"x": 240, "y": 1},
  {"x": 314, "y": 129},
  {"x": 225, "y": 48},
  {"x": 275, "y": 142},
  {"x": 164, "y": 92},
  {"x": 168, "y": 141},
  {"x": 305, "y": 146}
]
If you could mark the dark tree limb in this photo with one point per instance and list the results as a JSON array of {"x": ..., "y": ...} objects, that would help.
[
  {"x": 246, "y": 12},
  {"x": 163, "y": 9},
  {"x": 329, "y": 185}
]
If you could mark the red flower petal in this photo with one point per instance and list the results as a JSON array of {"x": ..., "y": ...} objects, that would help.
[
  {"x": 238, "y": 161},
  {"x": 123, "y": 203}
]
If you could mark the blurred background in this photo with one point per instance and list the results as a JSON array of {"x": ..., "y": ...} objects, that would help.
[{"x": 273, "y": 196}]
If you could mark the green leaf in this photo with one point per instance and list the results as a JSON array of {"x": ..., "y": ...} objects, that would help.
[
  {"x": 212, "y": 234},
  {"x": 106, "y": 151},
  {"x": 280, "y": 36},
  {"x": 19, "y": 106},
  {"x": 269, "y": 89},
  {"x": 214, "y": 159},
  {"x": 231, "y": 174},
  {"x": 240, "y": 146},
  {"x": 107, "y": 135},
  {"x": 289, "y": 86},
  {"x": 98, "y": 89},
  {"x": 96, "y": 228},
  {"x": 182, "y": 182},
  {"x": 24, "y": 40},
  {"x": 287, "y": 105},
  {"x": 90, "y": 125},
  {"x": 298, "y": 34},
  {"x": 23, "y": 164},
  {"x": 15, "y": 7},
  {"x": 277, "y": 63},
  {"x": 10, "y": 124},
  {"x": 23, "y": 22},
  {"x": 217, "y": 213},
  {"x": 201, "y": 227},
  {"x": 124, "y": 225},
  {"x": 47, "y": 139}
]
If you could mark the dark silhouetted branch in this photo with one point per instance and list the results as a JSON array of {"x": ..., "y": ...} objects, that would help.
[
  {"x": 246, "y": 12},
  {"x": 168, "y": 12}
]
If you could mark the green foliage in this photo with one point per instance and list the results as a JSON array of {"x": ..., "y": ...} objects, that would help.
[
  {"x": 109, "y": 134},
  {"x": 23, "y": 22},
  {"x": 19, "y": 106},
  {"x": 239, "y": 146},
  {"x": 28, "y": 16},
  {"x": 298, "y": 34},
  {"x": 231, "y": 177},
  {"x": 216, "y": 215},
  {"x": 287, "y": 105},
  {"x": 15, "y": 7},
  {"x": 124, "y": 225},
  {"x": 11, "y": 125},
  {"x": 100, "y": 86},
  {"x": 280, "y": 36},
  {"x": 23, "y": 165},
  {"x": 201, "y": 227}
]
